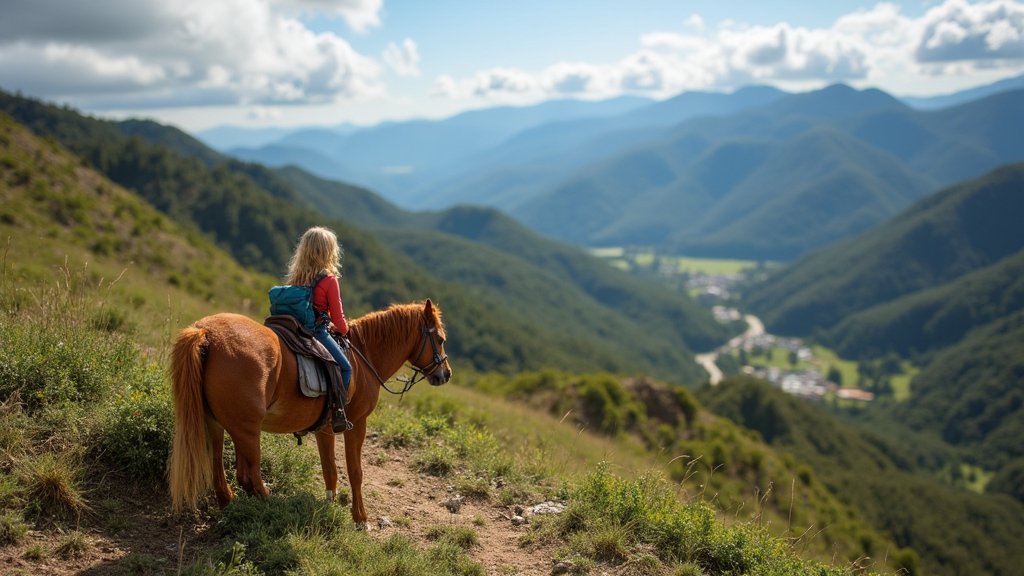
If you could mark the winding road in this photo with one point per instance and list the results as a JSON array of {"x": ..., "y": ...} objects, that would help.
[{"x": 754, "y": 328}]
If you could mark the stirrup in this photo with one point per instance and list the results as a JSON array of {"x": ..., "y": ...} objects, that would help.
[{"x": 340, "y": 424}]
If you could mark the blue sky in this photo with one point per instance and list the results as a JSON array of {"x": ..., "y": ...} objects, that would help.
[{"x": 201, "y": 63}]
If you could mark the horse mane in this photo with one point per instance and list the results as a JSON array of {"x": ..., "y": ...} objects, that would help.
[{"x": 390, "y": 327}]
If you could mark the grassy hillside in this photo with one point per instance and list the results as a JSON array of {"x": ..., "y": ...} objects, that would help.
[{"x": 63, "y": 224}]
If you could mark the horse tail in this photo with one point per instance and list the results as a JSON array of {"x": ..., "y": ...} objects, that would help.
[{"x": 190, "y": 471}]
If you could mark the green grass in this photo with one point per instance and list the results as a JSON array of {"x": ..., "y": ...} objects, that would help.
[
  {"x": 74, "y": 544},
  {"x": 12, "y": 529},
  {"x": 715, "y": 266},
  {"x": 827, "y": 358},
  {"x": 901, "y": 382},
  {"x": 646, "y": 258}
]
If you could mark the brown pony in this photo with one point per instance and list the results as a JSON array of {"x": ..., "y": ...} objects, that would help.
[{"x": 230, "y": 373}]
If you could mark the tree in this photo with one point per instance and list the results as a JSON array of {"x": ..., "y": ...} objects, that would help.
[{"x": 834, "y": 375}]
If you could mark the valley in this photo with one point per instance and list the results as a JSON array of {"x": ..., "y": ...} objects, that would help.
[{"x": 841, "y": 247}]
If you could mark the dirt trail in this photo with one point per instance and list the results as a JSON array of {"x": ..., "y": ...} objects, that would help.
[
  {"x": 392, "y": 488},
  {"x": 413, "y": 501}
]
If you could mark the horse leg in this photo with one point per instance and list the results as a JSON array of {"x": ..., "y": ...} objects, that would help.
[
  {"x": 215, "y": 434},
  {"x": 247, "y": 463},
  {"x": 354, "y": 464},
  {"x": 325, "y": 446}
]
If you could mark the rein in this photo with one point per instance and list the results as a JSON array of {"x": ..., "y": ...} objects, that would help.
[{"x": 419, "y": 374}]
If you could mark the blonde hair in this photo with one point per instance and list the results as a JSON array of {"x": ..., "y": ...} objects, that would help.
[{"x": 317, "y": 252}]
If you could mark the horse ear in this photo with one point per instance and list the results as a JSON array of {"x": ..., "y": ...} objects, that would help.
[{"x": 428, "y": 308}]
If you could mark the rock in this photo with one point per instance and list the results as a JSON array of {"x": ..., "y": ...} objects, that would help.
[
  {"x": 519, "y": 520},
  {"x": 548, "y": 507},
  {"x": 454, "y": 504},
  {"x": 385, "y": 522},
  {"x": 561, "y": 567}
]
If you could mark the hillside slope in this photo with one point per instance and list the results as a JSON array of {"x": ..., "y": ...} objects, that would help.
[
  {"x": 938, "y": 240},
  {"x": 859, "y": 467},
  {"x": 61, "y": 219}
]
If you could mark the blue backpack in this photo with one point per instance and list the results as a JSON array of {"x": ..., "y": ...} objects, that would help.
[{"x": 296, "y": 301}]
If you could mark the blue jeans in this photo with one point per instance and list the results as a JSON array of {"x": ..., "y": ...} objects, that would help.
[{"x": 324, "y": 338}]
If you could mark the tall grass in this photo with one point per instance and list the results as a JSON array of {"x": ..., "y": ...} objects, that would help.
[
  {"x": 83, "y": 406},
  {"x": 79, "y": 385}
]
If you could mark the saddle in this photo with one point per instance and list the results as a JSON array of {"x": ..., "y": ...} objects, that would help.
[{"x": 313, "y": 362}]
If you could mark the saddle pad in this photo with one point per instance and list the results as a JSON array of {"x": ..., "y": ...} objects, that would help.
[{"x": 312, "y": 379}]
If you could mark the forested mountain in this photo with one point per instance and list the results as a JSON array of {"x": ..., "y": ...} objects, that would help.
[
  {"x": 395, "y": 158},
  {"x": 758, "y": 173},
  {"x": 940, "y": 284},
  {"x": 256, "y": 214},
  {"x": 953, "y": 531},
  {"x": 777, "y": 181},
  {"x": 939, "y": 240},
  {"x": 508, "y": 175}
]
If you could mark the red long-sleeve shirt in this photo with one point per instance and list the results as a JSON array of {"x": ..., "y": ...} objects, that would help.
[{"x": 327, "y": 296}]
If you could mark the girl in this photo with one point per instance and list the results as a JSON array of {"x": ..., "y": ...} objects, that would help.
[{"x": 318, "y": 254}]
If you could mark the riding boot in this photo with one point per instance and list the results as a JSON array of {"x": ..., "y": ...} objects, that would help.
[{"x": 339, "y": 421}]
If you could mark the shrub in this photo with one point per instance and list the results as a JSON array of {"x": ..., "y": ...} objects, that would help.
[
  {"x": 437, "y": 461},
  {"x": 52, "y": 484},
  {"x": 142, "y": 564},
  {"x": 137, "y": 432},
  {"x": 288, "y": 468},
  {"x": 74, "y": 544},
  {"x": 12, "y": 529},
  {"x": 55, "y": 365},
  {"x": 15, "y": 428},
  {"x": 461, "y": 536}
]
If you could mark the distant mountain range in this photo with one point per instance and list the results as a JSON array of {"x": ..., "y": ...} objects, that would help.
[
  {"x": 776, "y": 181},
  {"x": 757, "y": 173},
  {"x": 394, "y": 157},
  {"x": 566, "y": 309}
]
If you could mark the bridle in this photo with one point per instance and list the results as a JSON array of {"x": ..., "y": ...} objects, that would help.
[{"x": 419, "y": 374}]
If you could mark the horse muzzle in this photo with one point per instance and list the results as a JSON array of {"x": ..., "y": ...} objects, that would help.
[{"x": 440, "y": 376}]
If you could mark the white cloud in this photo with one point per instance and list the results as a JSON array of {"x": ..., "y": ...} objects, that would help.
[
  {"x": 578, "y": 78},
  {"x": 500, "y": 81},
  {"x": 360, "y": 15},
  {"x": 205, "y": 53},
  {"x": 959, "y": 31},
  {"x": 404, "y": 59},
  {"x": 868, "y": 45},
  {"x": 694, "y": 23}
]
